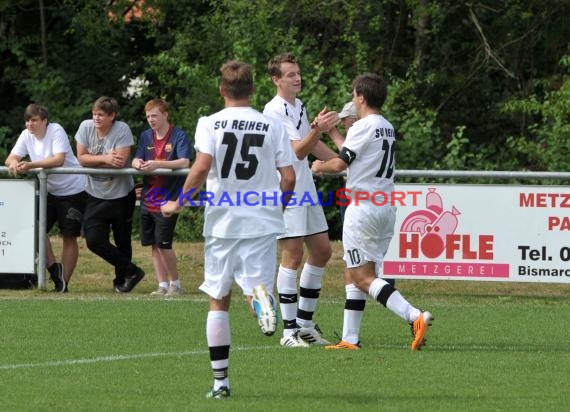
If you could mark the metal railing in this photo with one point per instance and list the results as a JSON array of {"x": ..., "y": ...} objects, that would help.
[{"x": 42, "y": 175}]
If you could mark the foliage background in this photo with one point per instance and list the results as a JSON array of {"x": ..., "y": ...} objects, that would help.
[{"x": 472, "y": 85}]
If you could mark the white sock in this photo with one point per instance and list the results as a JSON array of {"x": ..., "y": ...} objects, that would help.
[
  {"x": 375, "y": 287},
  {"x": 401, "y": 307},
  {"x": 219, "y": 338},
  {"x": 353, "y": 313},
  {"x": 395, "y": 302},
  {"x": 287, "y": 290},
  {"x": 310, "y": 284}
]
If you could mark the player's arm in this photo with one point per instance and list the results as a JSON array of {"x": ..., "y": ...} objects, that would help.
[
  {"x": 287, "y": 183},
  {"x": 303, "y": 147},
  {"x": 194, "y": 180},
  {"x": 324, "y": 121},
  {"x": 323, "y": 152},
  {"x": 336, "y": 137},
  {"x": 331, "y": 166},
  {"x": 335, "y": 165}
]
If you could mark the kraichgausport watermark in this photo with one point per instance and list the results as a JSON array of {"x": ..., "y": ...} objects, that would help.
[{"x": 340, "y": 197}]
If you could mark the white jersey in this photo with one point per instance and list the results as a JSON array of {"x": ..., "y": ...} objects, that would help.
[
  {"x": 371, "y": 141},
  {"x": 55, "y": 141},
  {"x": 296, "y": 122},
  {"x": 242, "y": 184}
]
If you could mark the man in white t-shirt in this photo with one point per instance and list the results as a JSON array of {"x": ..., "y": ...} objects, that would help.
[
  {"x": 305, "y": 222},
  {"x": 238, "y": 151},
  {"x": 368, "y": 154},
  {"x": 47, "y": 145}
]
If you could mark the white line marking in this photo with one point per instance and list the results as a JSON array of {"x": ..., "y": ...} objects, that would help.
[{"x": 114, "y": 358}]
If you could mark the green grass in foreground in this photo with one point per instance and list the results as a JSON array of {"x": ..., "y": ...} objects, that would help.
[
  {"x": 497, "y": 347},
  {"x": 143, "y": 354}
]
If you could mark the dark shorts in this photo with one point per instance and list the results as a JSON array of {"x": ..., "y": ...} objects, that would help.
[
  {"x": 157, "y": 229},
  {"x": 105, "y": 212},
  {"x": 67, "y": 211}
]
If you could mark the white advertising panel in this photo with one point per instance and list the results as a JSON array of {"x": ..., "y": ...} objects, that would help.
[
  {"x": 17, "y": 226},
  {"x": 481, "y": 232}
]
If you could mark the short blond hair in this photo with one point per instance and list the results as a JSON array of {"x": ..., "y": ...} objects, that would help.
[
  {"x": 159, "y": 103},
  {"x": 237, "y": 79}
]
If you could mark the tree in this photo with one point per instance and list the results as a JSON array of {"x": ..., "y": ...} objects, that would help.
[{"x": 476, "y": 85}]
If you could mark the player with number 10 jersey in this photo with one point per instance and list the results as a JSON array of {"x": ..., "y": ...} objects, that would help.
[{"x": 371, "y": 141}]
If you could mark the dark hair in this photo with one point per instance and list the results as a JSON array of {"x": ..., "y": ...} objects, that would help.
[
  {"x": 237, "y": 79},
  {"x": 35, "y": 109},
  {"x": 106, "y": 104},
  {"x": 274, "y": 65},
  {"x": 372, "y": 87}
]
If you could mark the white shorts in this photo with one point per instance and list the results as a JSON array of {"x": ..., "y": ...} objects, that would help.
[
  {"x": 304, "y": 221},
  {"x": 248, "y": 262},
  {"x": 366, "y": 234}
]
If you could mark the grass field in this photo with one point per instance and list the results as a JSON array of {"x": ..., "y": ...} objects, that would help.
[{"x": 493, "y": 346}]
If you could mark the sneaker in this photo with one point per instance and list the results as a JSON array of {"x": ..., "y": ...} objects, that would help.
[
  {"x": 159, "y": 292},
  {"x": 174, "y": 291},
  {"x": 419, "y": 329},
  {"x": 56, "y": 276},
  {"x": 293, "y": 341},
  {"x": 345, "y": 345},
  {"x": 130, "y": 281},
  {"x": 118, "y": 281},
  {"x": 313, "y": 336},
  {"x": 264, "y": 307},
  {"x": 221, "y": 393}
]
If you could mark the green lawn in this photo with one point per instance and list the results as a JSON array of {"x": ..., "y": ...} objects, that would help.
[{"x": 495, "y": 346}]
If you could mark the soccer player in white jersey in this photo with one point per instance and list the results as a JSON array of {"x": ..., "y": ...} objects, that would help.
[
  {"x": 368, "y": 154},
  {"x": 305, "y": 223},
  {"x": 238, "y": 150}
]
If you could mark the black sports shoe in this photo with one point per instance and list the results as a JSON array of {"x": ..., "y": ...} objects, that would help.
[
  {"x": 130, "y": 281},
  {"x": 56, "y": 275}
]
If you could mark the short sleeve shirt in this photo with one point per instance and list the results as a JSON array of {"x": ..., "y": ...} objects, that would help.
[
  {"x": 247, "y": 148},
  {"x": 120, "y": 136},
  {"x": 296, "y": 123},
  {"x": 176, "y": 145},
  {"x": 55, "y": 141},
  {"x": 372, "y": 140}
]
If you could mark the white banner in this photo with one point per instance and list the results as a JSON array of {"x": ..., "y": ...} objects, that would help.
[
  {"x": 17, "y": 226},
  {"x": 481, "y": 232}
]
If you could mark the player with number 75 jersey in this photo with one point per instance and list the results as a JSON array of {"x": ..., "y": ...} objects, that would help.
[{"x": 247, "y": 147}]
